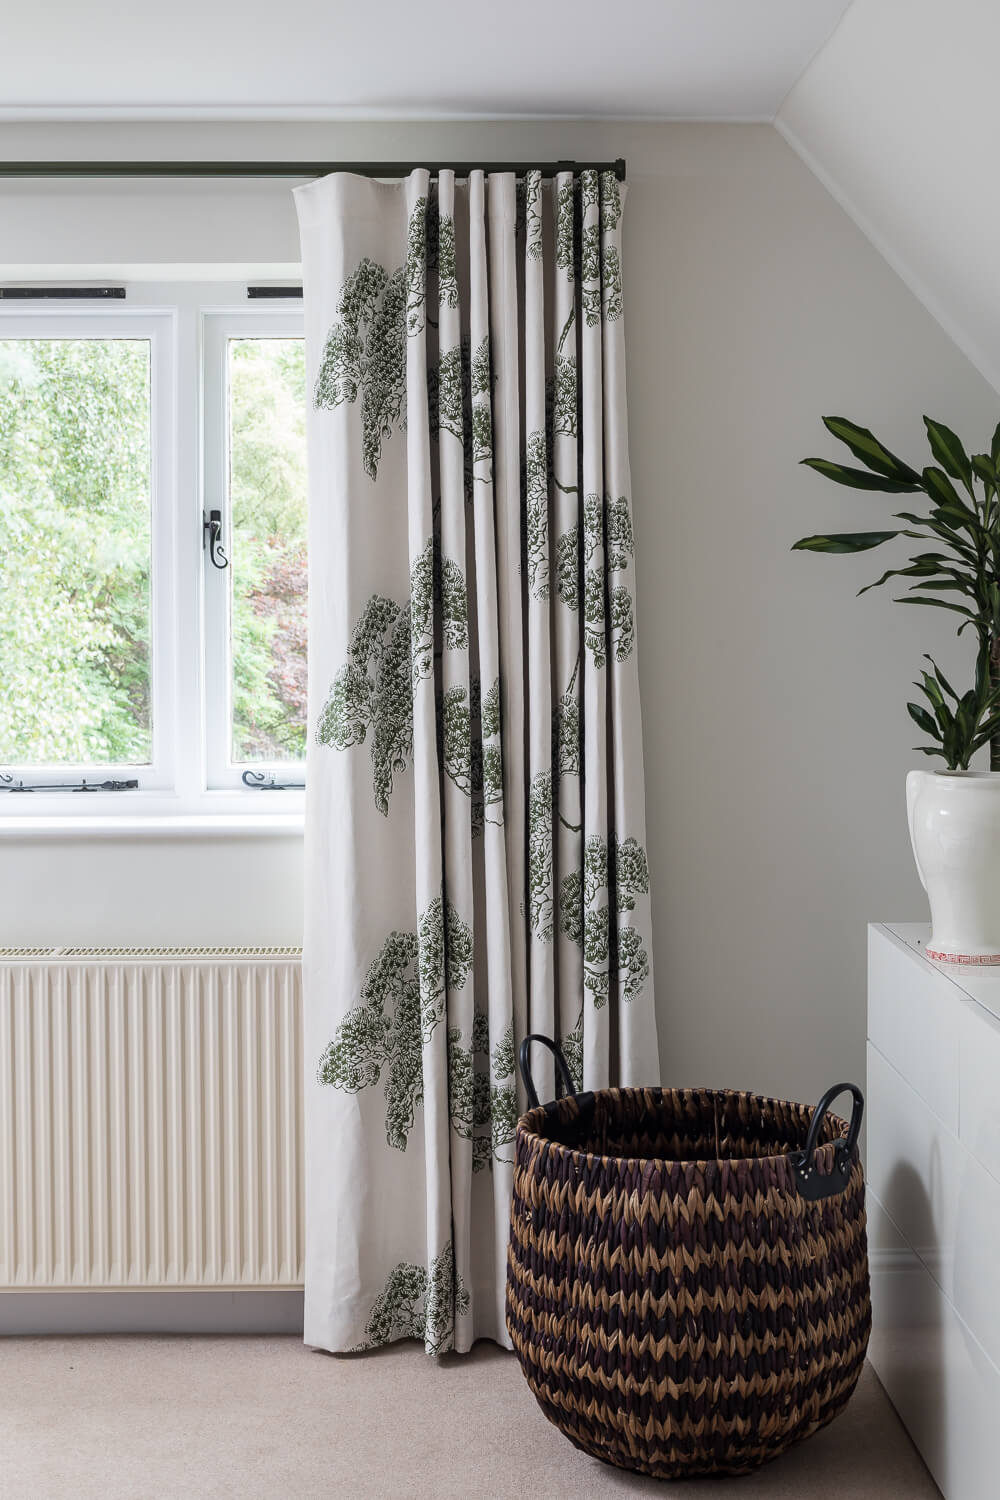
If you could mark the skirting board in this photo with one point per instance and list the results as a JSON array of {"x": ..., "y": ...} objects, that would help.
[{"x": 182, "y": 1311}]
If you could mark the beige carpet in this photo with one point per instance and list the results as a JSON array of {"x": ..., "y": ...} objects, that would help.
[{"x": 265, "y": 1419}]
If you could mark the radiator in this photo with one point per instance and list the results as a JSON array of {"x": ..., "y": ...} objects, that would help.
[{"x": 150, "y": 1118}]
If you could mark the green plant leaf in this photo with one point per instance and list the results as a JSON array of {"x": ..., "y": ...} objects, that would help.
[
  {"x": 929, "y": 685},
  {"x": 942, "y": 680},
  {"x": 948, "y": 450},
  {"x": 950, "y": 567},
  {"x": 866, "y": 446},
  {"x": 956, "y": 520},
  {"x": 958, "y": 544},
  {"x": 943, "y": 493},
  {"x": 988, "y": 729},
  {"x": 995, "y": 445},
  {"x": 915, "y": 570},
  {"x": 923, "y": 720},
  {"x": 944, "y": 585},
  {"x": 965, "y": 722},
  {"x": 860, "y": 479},
  {"x": 845, "y": 541},
  {"x": 935, "y": 697},
  {"x": 959, "y": 609},
  {"x": 985, "y": 468}
]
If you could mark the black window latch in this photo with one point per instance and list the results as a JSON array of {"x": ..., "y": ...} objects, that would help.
[{"x": 211, "y": 534}]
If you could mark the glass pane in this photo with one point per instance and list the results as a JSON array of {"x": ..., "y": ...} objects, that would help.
[
  {"x": 75, "y": 551},
  {"x": 267, "y": 503}
]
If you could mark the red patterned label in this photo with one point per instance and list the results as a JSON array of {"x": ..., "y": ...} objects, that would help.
[{"x": 962, "y": 958}]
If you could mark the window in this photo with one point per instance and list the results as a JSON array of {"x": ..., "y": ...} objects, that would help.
[
  {"x": 130, "y": 649},
  {"x": 255, "y": 472}
]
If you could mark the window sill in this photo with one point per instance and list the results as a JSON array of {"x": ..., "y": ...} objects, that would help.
[{"x": 140, "y": 825}]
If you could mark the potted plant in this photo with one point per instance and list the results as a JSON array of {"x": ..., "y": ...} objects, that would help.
[{"x": 954, "y": 813}]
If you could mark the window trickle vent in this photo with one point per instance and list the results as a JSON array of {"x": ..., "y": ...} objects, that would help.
[
  {"x": 121, "y": 953},
  {"x": 61, "y": 293}
]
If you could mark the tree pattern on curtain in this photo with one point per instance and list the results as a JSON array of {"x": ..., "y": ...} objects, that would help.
[
  {"x": 418, "y": 1304},
  {"x": 445, "y": 710}
]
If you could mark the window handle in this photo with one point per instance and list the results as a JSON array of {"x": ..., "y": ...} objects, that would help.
[
  {"x": 211, "y": 534},
  {"x": 260, "y": 781}
]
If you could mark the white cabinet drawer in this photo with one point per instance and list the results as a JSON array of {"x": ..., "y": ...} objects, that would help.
[
  {"x": 943, "y": 1201},
  {"x": 979, "y": 1105},
  {"x": 913, "y": 1020},
  {"x": 938, "y": 1376}
]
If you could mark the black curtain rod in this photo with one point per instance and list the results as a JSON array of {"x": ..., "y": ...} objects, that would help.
[{"x": 291, "y": 168}]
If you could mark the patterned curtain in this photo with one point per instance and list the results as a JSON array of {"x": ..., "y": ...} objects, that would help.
[{"x": 475, "y": 827}]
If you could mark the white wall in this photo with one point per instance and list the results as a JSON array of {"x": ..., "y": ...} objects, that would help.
[
  {"x": 776, "y": 734},
  {"x": 898, "y": 115}
]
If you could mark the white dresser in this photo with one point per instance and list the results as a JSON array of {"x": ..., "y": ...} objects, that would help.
[{"x": 933, "y": 1166}]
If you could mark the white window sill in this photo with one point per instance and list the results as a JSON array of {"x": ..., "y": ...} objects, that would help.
[{"x": 143, "y": 823}]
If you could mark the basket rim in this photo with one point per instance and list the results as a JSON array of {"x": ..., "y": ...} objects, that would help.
[{"x": 823, "y": 1151}]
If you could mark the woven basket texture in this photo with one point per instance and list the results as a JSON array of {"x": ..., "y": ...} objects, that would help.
[{"x": 677, "y": 1306}]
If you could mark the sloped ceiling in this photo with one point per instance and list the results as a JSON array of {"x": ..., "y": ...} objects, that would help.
[
  {"x": 898, "y": 117},
  {"x": 380, "y": 59}
]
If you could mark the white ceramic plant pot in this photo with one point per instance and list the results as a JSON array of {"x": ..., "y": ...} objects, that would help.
[{"x": 955, "y": 831}]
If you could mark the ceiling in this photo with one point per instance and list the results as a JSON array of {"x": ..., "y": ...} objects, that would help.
[
  {"x": 918, "y": 180},
  {"x": 301, "y": 59}
]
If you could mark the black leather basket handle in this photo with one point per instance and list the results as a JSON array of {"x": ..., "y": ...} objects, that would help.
[
  {"x": 810, "y": 1183},
  {"x": 562, "y": 1066}
]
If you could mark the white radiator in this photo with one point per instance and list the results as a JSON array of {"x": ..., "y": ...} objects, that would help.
[{"x": 150, "y": 1118}]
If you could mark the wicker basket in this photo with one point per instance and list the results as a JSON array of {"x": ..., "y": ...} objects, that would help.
[{"x": 687, "y": 1275}]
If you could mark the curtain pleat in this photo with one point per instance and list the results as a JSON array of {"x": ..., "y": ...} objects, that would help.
[
  {"x": 505, "y": 350},
  {"x": 475, "y": 823},
  {"x": 536, "y": 593},
  {"x": 596, "y": 914},
  {"x": 567, "y": 656}
]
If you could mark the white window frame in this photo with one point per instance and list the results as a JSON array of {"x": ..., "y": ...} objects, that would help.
[
  {"x": 55, "y": 321},
  {"x": 189, "y": 786},
  {"x": 218, "y": 328}
]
